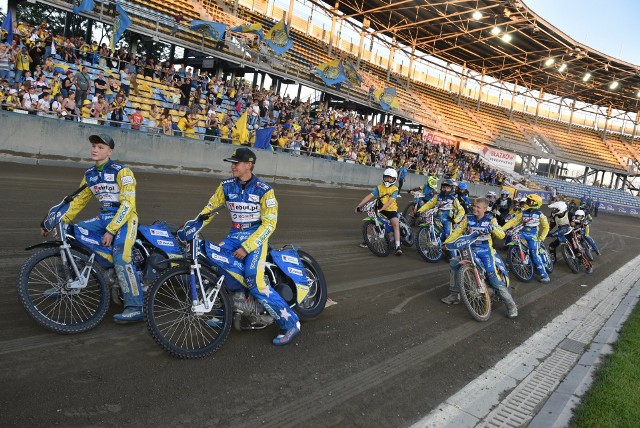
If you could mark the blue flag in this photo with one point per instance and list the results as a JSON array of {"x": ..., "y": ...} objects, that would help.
[
  {"x": 85, "y": 5},
  {"x": 351, "y": 71},
  {"x": 120, "y": 23},
  {"x": 249, "y": 28},
  {"x": 263, "y": 138},
  {"x": 7, "y": 25},
  {"x": 278, "y": 38},
  {"x": 215, "y": 29},
  {"x": 331, "y": 72}
]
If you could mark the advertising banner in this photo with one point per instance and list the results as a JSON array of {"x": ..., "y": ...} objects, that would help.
[
  {"x": 608, "y": 207},
  {"x": 437, "y": 139},
  {"x": 494, "y": 157}
]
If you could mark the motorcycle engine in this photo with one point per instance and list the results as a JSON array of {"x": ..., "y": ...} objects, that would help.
[
  {"x": 248, "y": 313},
  {"x": 153, "y": 267}
]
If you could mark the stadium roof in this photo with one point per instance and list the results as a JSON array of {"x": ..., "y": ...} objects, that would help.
[{"x": 449, "y": 31}]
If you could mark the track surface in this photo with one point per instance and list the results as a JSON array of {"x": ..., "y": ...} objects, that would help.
[{"x": 385, "y": 355}]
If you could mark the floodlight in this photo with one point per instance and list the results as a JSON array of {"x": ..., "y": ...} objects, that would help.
[
  {"x": 586, "y": 77},
  {"x": 477, "y": 15},
  {"x": 495, "y": 31},
  {"x": 506, "y": 37},
  {"x": 614, "y": 84},
  {"x": 549, "y": 62},
  {"x": 562, "y": 67}
]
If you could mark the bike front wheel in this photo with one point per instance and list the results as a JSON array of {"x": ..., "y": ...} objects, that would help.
[
  {"x": 44, "y": 292},
  {"x": 473, "y": 293},
  {"x": 570, "y": 258},
  {"x": 546, "y": 257},
  {"x": 588, "y": 251},
  {"x": 377, "y": 242},
  {"x": 407, "y": 235},
  {"x": 429, "y": 245},
  {"x": 409, "y": 214},
  {"x": 520, "y": 263},
  {"x": 175, "y": 326}
]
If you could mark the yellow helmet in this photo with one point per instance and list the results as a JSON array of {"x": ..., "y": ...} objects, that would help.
[
  {"x": 533, "y": 202},
  {"x": 432, "y": 182}
]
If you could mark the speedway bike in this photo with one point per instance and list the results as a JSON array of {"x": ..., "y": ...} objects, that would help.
[
  {"x": 191, "y": 307},
  {"x": 519, "y": 258},
  {"x": 470, "y": 277},
  {"x": 65, "y": 285},
  {"x": 377, "y": 231},
  {"x": 430, "y": 236},
  {"x": 574, "y": 251},
  {"x": 410, "y": 210}
]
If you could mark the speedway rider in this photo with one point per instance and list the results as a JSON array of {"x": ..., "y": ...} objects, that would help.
[
  {"x": 504, "y": 205},
  {"x": 462, "y": 192},
  {"x": 254, "y": 214},
  {"x": 582, "y": 219},
  {"x": 387, "y": 192},
  {"x": 534, "y": 231},
  {"x": 491, "y": 197},
  {"x": 518, "y": 204},
  {"x": 114, "y": 185},
  {"x": 450, "y": 211},
  {"x": 559, "y": 218},
  {"x": 429, "y": 191},
  {"x": 485, "y": 225}
]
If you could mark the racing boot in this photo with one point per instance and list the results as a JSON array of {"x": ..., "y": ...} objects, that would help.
[
  {"x": 131, "y": 293},
  {"x": 451, "y": 299},
  {"x": 545, "y": 279},
  {"x": 129, "y": 315},
  {"x": 286, "y": 336}
]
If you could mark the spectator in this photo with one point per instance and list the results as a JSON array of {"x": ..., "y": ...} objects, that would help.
[
  {"x": 43, "y": 107},
  {"x": 100, "y": 84},
  {"x": 70, "y": 111},
  {"x": 136, "y": 119},
  {"x": 117, "y": 111},
  {"x": 30, "y": 100},
  {"x": 57, "y": 108},
  {"x": 22, "y": 61}
]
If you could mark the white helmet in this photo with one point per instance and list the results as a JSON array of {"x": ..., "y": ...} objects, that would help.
[
  {"x": 491, "y": 193},
  {"x": 558, "y": 207},
  {"x": 389, "y": 172},
  {"x": 580, "y": 214}
]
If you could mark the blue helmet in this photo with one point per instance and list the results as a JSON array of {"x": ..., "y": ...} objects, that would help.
[{"x": 462, "y": 186}]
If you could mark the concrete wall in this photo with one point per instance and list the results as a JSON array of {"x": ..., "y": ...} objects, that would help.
[{"x": 33, "y": 139}]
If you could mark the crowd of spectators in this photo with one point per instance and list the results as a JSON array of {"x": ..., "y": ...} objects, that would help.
[{"x": 32, "y": 83}]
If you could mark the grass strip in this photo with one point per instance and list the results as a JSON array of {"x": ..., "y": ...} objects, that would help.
[{"x": 614, "y": 397}]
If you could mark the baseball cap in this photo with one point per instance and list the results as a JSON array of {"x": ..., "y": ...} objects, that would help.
[
  {"x": 102, "y": 139},
  {"x": 242, "y": 154}
]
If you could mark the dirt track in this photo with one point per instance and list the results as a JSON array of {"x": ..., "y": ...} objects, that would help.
[{"x": 386, "y": 354}]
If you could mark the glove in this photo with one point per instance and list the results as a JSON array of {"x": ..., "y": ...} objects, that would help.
[{"x": 358, "y": 208}]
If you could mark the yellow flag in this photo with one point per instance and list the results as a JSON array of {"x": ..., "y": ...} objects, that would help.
[{"x": 240, "y": 133}]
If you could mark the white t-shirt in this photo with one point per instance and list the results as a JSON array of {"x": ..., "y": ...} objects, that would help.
[{"x": 30, "y": 100}]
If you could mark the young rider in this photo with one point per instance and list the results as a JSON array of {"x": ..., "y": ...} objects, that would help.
[
  {"x": 560, "y": 218},
  {"x": 581, "y": 218},
  {"x": 450, "y": 211},
  {"x": 429, "y": 189},
  {"x": 114, "y": 185},
  {"x": 387, "y": 192},
  {"x": 254, "y": 214},
  {"x": 504, "y": 205},
  {"x": 534, "y": 231},
  {"x": 486, "y": 225}
]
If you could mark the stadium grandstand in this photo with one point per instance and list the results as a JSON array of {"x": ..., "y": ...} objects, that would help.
[{"x": 487, "y": 77}]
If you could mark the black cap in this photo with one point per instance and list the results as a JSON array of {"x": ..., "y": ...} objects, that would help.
[
  {"x": 242, "y": 154},
  {"x": 102, "y": 139}
]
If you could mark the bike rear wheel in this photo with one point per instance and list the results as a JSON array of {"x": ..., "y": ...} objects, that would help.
[
  {"x": 473, "y": 293},
  {"x": 520, "y": 263},
  {"x": 378, "y": 243},
  {"x": 315, "y": 300},
  {"x": 429, "y": 245},
  {"x": 173, "y": 324},
  {"x": 43, "y": 293},
  {"x": 570, "y": 258}
]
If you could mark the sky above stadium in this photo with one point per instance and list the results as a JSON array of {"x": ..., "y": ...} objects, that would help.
[{"x": 609, "y": 27}]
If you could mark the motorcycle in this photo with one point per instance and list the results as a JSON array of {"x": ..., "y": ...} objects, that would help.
[
  {"x": 470, "y": 277},
  {"x": 65, "y": 285},
  {"x": 190, "y": 308},
  {"x": 574, "y": 251},
  {"x": 519, "y": 258},
  {"x": 377, "y": 231},
  {"x": 429, "y": 242}
]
